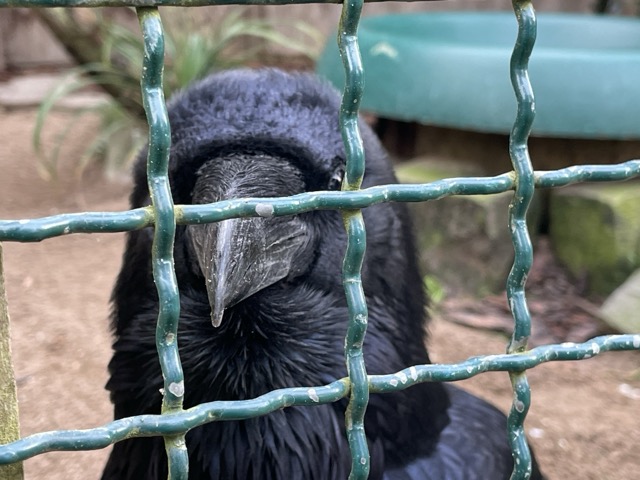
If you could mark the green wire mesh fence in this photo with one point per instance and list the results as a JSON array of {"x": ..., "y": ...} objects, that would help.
[{"x": 174, "y": 422}]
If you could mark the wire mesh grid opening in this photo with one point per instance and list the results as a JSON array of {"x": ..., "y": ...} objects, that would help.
[{"x": 163, "y": 215}]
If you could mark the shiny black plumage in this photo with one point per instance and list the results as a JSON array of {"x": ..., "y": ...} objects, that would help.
[{"x": 268, "y": 133}]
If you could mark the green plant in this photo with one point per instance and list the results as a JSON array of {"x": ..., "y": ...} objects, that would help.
[
  {"x": 436, "y": 291},
  {"x": 193, "y": 49}
]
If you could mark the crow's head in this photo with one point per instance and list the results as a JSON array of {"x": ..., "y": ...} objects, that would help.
[
  {"x": 239, "y": 257},
  {"x": 269, "y": 133}
]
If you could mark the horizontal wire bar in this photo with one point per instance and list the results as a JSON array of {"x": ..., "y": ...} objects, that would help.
[
  {"x": 507, "y": 362},
  {"x": 587, "y": 173},
  {"x": 162, "y": 3},
  {"x": 35, "y": 230},
  {"x": 175, "y": 423},
  {"x": 171, "y": 423}
]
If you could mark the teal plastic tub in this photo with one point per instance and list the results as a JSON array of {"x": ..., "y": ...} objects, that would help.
[{"x": 452, "y": 69}]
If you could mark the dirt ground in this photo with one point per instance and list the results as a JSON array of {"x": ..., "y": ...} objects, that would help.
[{"x": 583, "y": 423}]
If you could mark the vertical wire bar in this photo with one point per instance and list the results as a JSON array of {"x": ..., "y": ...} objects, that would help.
[
  {"x": 165, "y": 225},
  {"x": 356, "y": 240},
  {"x": 519, "y": 153},
  {"x": 353, "y": 89}
]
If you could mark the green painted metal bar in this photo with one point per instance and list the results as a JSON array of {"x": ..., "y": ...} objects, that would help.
[
  {"x": 358, "y": 318},
  {"x": 175, "y": 423},
  {"x": 523, "y": 260},
  {"x": 164, "y": 234},
  {"x": 172, "y": 423},
  {"x": 587, "y": 173},
  {"x": 508, "y": 362},
  {"x": 162, "y": 3},
  {"x": 356, "y": 240},
  {"x": 35, "y": 230}
]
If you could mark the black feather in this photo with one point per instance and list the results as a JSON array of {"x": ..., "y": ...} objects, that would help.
[{"x": 268, "y": 133}]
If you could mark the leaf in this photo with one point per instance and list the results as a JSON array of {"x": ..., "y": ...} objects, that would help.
[
  {"x": 193, "y": 49},
  {"x": 71, "y": 83}
]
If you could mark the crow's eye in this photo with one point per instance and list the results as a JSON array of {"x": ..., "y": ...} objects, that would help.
[{"x": 335, "y": 182}]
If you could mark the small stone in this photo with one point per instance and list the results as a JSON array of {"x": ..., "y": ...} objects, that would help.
[
  {"x": 595, "y": 232},
  {"x": 620, "y": 309}
]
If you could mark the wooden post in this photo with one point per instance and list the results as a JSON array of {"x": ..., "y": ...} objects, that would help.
[{"x": 9, "y": 426}]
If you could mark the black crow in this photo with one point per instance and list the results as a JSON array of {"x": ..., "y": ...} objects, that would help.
[{"x": 272, "y": 287}]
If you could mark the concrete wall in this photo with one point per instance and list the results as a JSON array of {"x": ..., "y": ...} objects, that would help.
[
  {"x": 490, "y": 152},
  {"x": 25, "y": 42}
]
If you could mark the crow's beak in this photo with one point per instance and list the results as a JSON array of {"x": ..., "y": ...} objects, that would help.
[{"x": 239, "y": 257}]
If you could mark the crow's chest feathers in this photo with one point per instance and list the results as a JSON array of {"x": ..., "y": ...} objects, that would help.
[
  {"x": 253, "y": 353},
  {"x": 251, "y": 356},
  {"x": 294, "y": 443}
]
